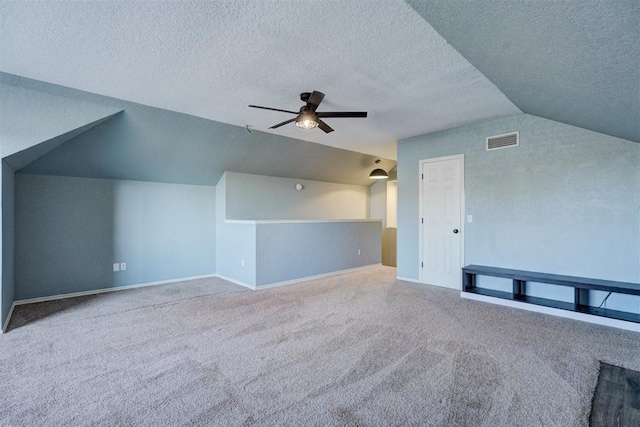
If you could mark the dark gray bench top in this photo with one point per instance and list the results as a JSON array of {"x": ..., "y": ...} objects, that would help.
[{"x": 558, "y": 279}]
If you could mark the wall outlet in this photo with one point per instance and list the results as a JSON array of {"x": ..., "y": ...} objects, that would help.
[
  {"x": 116, "y": 266},
  {"x": 359, "y": 252},
  {"x": 242, "y": 262},
  {"x": 469, "y": 218},
  {"x": 123, "y": 266}
]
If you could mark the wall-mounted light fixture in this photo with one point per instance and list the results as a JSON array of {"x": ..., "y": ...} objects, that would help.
[{"x": 378, "y": 173}]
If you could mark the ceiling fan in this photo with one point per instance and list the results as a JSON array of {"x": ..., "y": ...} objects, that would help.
[{"x": 308, "y": 117}]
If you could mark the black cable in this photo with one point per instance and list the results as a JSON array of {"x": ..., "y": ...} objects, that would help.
[{"x": 604, "y": 300}]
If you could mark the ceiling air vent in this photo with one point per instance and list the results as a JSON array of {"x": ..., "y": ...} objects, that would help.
[{"x": 503, "y": 141}]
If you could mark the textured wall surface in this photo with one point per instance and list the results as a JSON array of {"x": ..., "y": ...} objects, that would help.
[
  {"x": 234, "y": 242},
  {"x": 257, "y": 197},
  {"x": 565, "y": 201},
  {"x": 69, "y": 231},
  {"x": 7, "y": 272},
  {"x": 291, "y": 251},
  {"x": 29, "y": 117}
]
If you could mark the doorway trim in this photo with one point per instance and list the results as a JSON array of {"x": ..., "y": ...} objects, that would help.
[{"x": 463, "y": 218}]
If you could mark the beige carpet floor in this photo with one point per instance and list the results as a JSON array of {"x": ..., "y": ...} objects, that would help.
[{"x": 357, "y": 349}]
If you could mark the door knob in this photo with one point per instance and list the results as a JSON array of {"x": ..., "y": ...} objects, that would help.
[{"x": 455, "y": 231}]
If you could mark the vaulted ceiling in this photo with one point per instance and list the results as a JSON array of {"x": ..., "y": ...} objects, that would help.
[
  {"x": 576, "y": 62},
  {"x": 417, "y": 67}
]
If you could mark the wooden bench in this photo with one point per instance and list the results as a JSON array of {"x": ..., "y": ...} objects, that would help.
[{"x": 581, "y": 286}]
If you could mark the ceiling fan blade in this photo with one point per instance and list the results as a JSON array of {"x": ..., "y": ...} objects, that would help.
[
  {"x": 315, "y": 99},
  {"x": 325, "y": 127},
  {"x": 342, "y": 114},
  {"x": 283, "y": 123},
  {"x": 273, "y": 109}
]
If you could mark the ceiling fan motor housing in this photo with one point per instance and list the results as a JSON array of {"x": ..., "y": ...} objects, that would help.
[{"x": 304, "y": 96}]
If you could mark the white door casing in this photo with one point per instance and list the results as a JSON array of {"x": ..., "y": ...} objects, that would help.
[{"x": 441, "y": 221}]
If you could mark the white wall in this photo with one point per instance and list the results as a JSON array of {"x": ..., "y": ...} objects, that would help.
[{"x": 378, "y": 201}]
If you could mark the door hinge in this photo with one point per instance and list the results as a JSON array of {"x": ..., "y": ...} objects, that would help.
[
  {"x": 422, "y": 265},
  {"x": 422, "y": 176},
  {"x": 421, "y": 220}
]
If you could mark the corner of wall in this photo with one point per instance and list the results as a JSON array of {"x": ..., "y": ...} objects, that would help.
[{"x": 7, "y": 237}]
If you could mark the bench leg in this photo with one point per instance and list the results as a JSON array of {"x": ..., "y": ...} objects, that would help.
[
  {"x": 518, "y": 288},
  {"x": 468, "y": 281},
  {"x": 581, "y": 297}
]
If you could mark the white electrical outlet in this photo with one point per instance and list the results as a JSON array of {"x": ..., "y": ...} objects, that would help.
[
  {"x": 469, "y": 218},
  {"x": 116, "y": 266},
  {"x": 242, "y": 263},
  {"x": 359, "y": 252},
  {"x": 123, "y": 266}
]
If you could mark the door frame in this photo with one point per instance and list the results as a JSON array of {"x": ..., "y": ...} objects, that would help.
[{"x": 463, "y": 218}]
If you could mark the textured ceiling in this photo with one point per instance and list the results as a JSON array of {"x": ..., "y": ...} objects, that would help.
[
  {"x": 576, "y": 62},
  {"x": 211, "y": 59}
]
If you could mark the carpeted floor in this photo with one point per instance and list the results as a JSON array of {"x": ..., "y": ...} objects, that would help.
[{"x": 355, "y": 349}]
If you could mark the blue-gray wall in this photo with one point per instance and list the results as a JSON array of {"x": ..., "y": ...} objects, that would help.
[
  {"x": 565, "y": 201},
  {"x": 69, "y": 232},
  {"x": 277, "y": 252},
  {"x": 7, "y": 237},
  {"x": 234, "y": 242},
  {"x": 144, "y": 143},
  {"x": 30, "y": 117},
  {"x": 287, "y": 251},
  {"x": 258, "y": 197}
]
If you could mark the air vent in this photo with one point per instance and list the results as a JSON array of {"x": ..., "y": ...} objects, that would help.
[{"x": 503, "y": 141}]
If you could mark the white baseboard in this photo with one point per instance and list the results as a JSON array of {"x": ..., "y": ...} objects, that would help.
[
  {"x": 599, "y": 320},
  {"x": 6, "y": 322},
  {"x": 317, "y": 276},
  {"x": 406, "y": 279},
  {"x": 104, "y": 290},
  {"x": 164, "y": 282},
  {"x": 236, "y": 282}
]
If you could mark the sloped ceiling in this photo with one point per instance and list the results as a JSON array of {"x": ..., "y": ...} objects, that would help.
[
  {"x": 211, "y": 59},
  {"x": 576, "y": 62},
  {"x": 23, "y": 158},
  {"x": 150, "y": 144},
  {"x": 32, "y": 117},
  {"x": 416, "y": 67}
]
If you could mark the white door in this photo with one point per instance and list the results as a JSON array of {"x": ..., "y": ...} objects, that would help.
[{"x": 442, "y": 222}]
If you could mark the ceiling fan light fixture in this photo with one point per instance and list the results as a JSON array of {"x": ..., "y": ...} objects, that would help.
[
  {"x": 308, "y": 118},
  {"x": 378, "y": 174},
  {"x": 306, "y": 122}
]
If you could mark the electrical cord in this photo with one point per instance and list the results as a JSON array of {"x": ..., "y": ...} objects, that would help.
[{"x": 604, "y": 300}]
